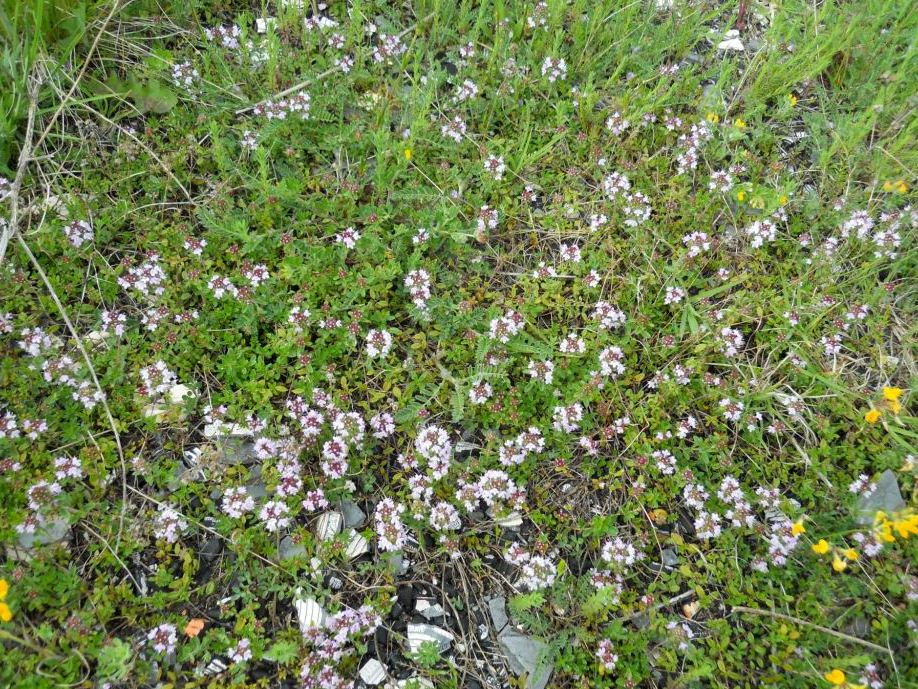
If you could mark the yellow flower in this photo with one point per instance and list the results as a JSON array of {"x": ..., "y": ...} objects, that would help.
[
  {"x": 797, "y": 527},
  {"x": 838, "y": 564},
  {"x": 850, "y": 553},
  {"x": 783, "y": 200},
  {"x": 821, "y": 547},
  {"x": 872, "y": 416},
  {"x": 888, "y": 186},
  {"x": 407, "y": 154},
  {"x": 906, "y": 526},
  {"x": 892, "y": 394},
  {"x": 741, "y": 195},
  {"x": 883, "y": 529},
  {"x": 712, "y": 117},
  {"x": 792, "y": 99},
  {"x": 904, "y": 523},
  {"x": 5, "y": 613},
  {"x": 836, "y": 677},
  {"x": 739, "y": 124},
  {"x": 901, "y": 186}
]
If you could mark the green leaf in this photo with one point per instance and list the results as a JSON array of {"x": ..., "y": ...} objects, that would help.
[
  {"x": 152, "y": 97},
  {"x": 282, "y": 652}
]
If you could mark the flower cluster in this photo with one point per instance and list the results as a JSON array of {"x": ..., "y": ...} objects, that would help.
[
  {"x": 330, "y": 641},
  {"x": 433, "y": 444},
  {"x": 388, "y": 48},
  {"x": 163, "y": 638},
  {"x": 275, "y": 515},
  {"x": 78, "y": 232},
  {"x": 554, "y": 69},
  {"x": 169, "y": 525},
  {"x": 390, "y": 531},
  {"x": 418, "y": 284},
  {"x": 184, "y": 74},
  {"x": 237, "y": 502},
  {"x": 148, "y": 278},
  {"x": 379, "y": 342},
  {"x": 537, "y": 571},
  {"x": 297, "y": 104},
  {"x": 506, "y": 326},
  {"x": 156, "y": 379},
  {"x": 605, "y": 654},
  {"x": 227, "y": 36}
]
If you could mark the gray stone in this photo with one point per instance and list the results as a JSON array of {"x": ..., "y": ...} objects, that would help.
[
  {"x": 357, "y": 545},
  {"x": 183, "y": 474},
  {"x": 354, "y": 517},
  {"x": 235, "y": 449},
  {"x": 54, "y": 531},
  {"x": 526, "y": 655},
  {"x": 397, "y": 563},
  {"x": 262, "y": 24},
  {"x": 429, "y": 610},
  {"x": 414, "y": 683},
  {"x": 498, "y": 608},
  {"x": 329, "y": 525},
  {"x": 670, "y": 558},
  {"x": 373, "y": 672},
  {"x": 309, "y": 613},
  {"x": 858, "y": 627},
  {"x": 886, "y": 497},
  {"x": 731, "y": 42},
  {"x": 512, "y": 520},
  {"x": 288, "y": 549},
  {"x": 257, "y": 490},
  {"x": 419, "y": 633},
  {"x": 215, "y": 667}
]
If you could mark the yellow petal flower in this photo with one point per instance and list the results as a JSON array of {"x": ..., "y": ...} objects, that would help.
[
  {"x": 901, "y": 186},
  {"x": 739, "y": 124},
  {"x": 821, "y": 547},
  {"x": 836, "y": 677},
  {"x": 4, "y": 588},
  {"x": 892, "y": 394},
  {"x": 713, "y": 117},
  {"x": 838, "y": 564},
  {"x": 741, "y": 195},
  {"x": 906, "y": 527},
  {"x": 797, "y": 527},
  {"x": 850, "y": 553},
  {"x": 895, "y": 406},
  {"x": 407, "y": 154},
  {"x": 792, "y": 99},
  {"x": 888, "y": 186},
  {"x": 872, "y": 416},
  {"x": 884, "y": 532},
  {"x": 5, "y": 613}
]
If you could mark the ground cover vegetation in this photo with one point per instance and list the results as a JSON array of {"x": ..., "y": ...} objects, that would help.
[{"x": 462, "y": 345}]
